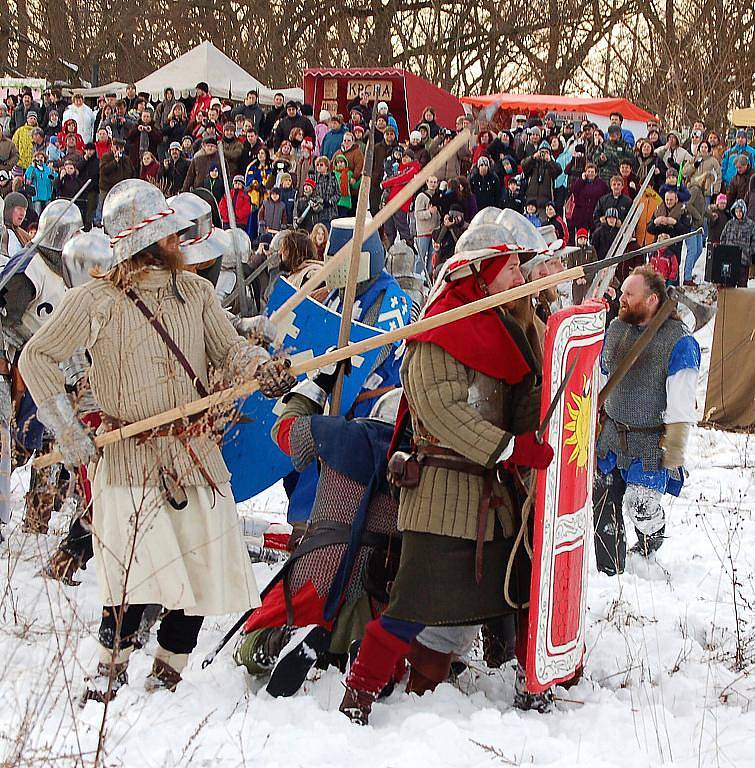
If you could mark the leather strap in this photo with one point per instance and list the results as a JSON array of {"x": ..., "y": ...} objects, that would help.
[
  {"x": 368, "y": 394},
  {"x": 168, "y": 339}
]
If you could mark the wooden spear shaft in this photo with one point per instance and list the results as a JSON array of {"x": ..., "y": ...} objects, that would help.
[
  {"x": 371, "y": 226},
  {"x": 226, "y": 396}
]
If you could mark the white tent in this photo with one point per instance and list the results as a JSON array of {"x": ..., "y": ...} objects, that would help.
[
  {"x": 116, "y": 87},
  {"x": 206, "y": 63}
]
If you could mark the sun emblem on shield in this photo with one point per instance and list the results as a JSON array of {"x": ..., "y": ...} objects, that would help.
[{"x": 579, "y": 412}]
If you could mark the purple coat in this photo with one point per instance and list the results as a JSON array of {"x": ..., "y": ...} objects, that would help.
[{"x": 586, "y": 196}]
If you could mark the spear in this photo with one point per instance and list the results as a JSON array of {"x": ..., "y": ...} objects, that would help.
[{"x": 229, "y": 395}]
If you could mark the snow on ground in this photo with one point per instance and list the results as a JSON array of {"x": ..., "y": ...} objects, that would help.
[{"x": 668, "y": 675}]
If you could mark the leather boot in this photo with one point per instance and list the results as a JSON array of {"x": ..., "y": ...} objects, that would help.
[
  {"x": 428, "y": 668},
  {"x": 166, "y": 670},
  {"x": 357, "y": 705}
]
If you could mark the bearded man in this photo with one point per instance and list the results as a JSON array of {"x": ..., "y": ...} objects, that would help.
[{"x": 647, "y": 418}]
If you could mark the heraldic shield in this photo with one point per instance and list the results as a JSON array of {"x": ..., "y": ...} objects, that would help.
[
  {"x": 253, "y": 461},
  {"x": 563, "y": 505}
]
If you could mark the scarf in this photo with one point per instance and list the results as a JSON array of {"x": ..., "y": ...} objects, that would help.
[{"x": 489, "y": 342}]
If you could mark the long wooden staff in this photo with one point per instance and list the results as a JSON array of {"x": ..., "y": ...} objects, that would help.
[
  {"x": 359, "y": 347},
  {"x": 372, "y": 226},
  {"x": 350, "y": 291}
]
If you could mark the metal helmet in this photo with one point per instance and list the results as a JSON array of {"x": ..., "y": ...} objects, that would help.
[
  {"x": 136, "y": 215},
  {"x": 400, "y": 260},
  {"x": 274, "y": 251},
  {"x": 202, "y": 242},
  {"x": 487, "y": 215},
  {"x": 58, "y": 223},
  {"x": 372, "y": 254},
  {"x": 486, "y": 235},
  {"x": 386, "y": 408},
  {"x": 84, "y": 253},
  {"x": 236, "y": 243},
  {"x": 460, "y": 264},
  {"x": 523, "y": 232}
]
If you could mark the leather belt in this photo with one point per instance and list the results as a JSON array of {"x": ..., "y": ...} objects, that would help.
[
  {"x": 625, "y": 429},
  {"x": 445, "y": 458}
]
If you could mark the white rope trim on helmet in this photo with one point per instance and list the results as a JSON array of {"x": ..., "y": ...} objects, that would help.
[{"x": 149, "y": 220}]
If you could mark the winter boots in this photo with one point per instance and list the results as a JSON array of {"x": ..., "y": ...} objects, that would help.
[
  {"x": 166, "y": 670},
  {"x": 297, "y": 656},
  {"x": 428, "y": 668},
  {"x": 109, "y": 678},
  {"x": 526, "y": 701},
  {"x": 648, "y": 544}
]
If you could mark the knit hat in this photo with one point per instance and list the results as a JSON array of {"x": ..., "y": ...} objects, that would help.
[
  {"x": 175, "y": 145},
  {"x": 415, "y": 136},
  {"x": 309, "y": 182},
  {"x": 544, "y": 146},
  {"x": 209, "y": 140},
  {"x": 214, "y": 167},
  {"x": 37, "y": 132},
  {"x": 382, "y": 107},
  {"x": 582, "y": 232},
  {"x": 32, "y": 113},
  {"x": 324, "y": 115},
  {"x": 483, "y": 160},
  {"x": 721, "y": 198},
  {"x": 612, "y": 213},
  {"x": 238, "y": 179},
  {"x": 741, "y": 133}
]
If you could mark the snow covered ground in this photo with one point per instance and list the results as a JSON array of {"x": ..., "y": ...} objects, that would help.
[{"x": 668, "y": 675}]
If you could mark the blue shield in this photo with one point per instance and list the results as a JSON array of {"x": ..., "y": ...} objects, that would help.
[{"x": 253, "y": 459}]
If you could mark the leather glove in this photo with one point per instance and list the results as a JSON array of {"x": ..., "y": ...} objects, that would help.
[
  {"x": 74, "y": 441},
  {"x": 245, "y": 361},
  {"x": 673, "y": 443},
  {"x": 274, "y": 378},
  {"x": 529, "y": 453},
  {"x": 259, "y": 329}
]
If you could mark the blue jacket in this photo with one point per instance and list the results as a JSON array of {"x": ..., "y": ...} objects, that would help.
[
  {"x": 42, "y": 180},
  {"x": 332, "y": 141},
  {"x": 728, "y": 169}
]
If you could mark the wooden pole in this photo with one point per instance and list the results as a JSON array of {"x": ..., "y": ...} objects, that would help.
[
  {"x": 350, "y": 291},
  {"x": 372, "y": 226},
  {"x": 226, "y": 396}
]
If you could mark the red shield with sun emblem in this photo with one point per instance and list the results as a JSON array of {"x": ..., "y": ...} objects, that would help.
[{"x": 563, "y": 504}]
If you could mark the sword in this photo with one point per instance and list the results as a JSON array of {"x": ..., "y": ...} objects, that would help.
[{"x": 556, "y": 399}]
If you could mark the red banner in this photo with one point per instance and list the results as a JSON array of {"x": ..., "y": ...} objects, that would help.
[{"x": 563, "y": 503}]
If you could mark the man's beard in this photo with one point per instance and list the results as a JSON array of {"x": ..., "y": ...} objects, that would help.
[{"x": 632, "y": 316}]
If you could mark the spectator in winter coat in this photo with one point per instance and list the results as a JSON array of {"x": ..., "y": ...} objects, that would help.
[
  {"x": 41, "y": 176},
  {"x": 8, "y": 161},
  {"x": 485, "y": 184},
  {"x": 447, "y": 235},
  {"x": 89, "y": 170},
  {"x": 512, "y": 196},
  {"x": 666, "y": 263},
  {"x": 612, "y": 152},
  {"x": 419, "y": 149},
  {"x": 321, "y": 129},
  {"x": 398, "y": 224},
  {"x": 251, "y": 110},
  {"x": 326, "y": 194},
  {"x": 647, "y": 161},
  {"x": 120, "y": 124},
  {"x": 292, "y": 119},
  {"x": 631, "y": 182},
  {"x": 673, "y": 155},
  {"x": 174, "y": 169},
  {"x": 241, "y": 204},
  {"x": 272, "y": 216},
  {"x": 428, "y": 116},
  {"x": 202, "y": 100},
  {"x": 83, "y": 115},
  {"x": 587, "y": 191},
  {"x": 705, "y": 169},
  {"x": 741, "y": 147},
  {"x": 740, "y": 232},
  {"x": 114, "y": 167},
  {"x": 716, "y": 215},
  {"x": 149, "y": 168},
  {"x": 615, "y": 199},
  {"x": 232, "y": 150},
  {"x": 199, "y": 167},
  {"x": 426, "y": 219},
  {"x": 353, "y": 155},
  {"x": 143, "y": 137},
  {"x": 540, "y": 172},
  {"x": 23, "y": 141},
  {"x": 556, "y": 221},
  {"x": 605, "y": 233},
  {"x": 53, "y": 125},
  {"x": 453, "y": 165},
  {"x": 739, "y": 184},
  {"x": 69, "y": 183},
  {"x": 273, "y": 115},
  {"x": 383, "y": 150},
  {"x": 671, "y": 218},
  {"x": 333, "y": 139},
  {"x": 21, "y": 112},
  {"x": 213, "y": 182}
]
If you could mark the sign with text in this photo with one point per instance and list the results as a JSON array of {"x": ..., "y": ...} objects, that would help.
[{"x": 379, "y": 90}]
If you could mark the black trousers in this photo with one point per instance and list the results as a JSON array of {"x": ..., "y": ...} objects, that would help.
[
  {"x": 177, "y": 632},
  {"x": 610, "y": 538}
]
